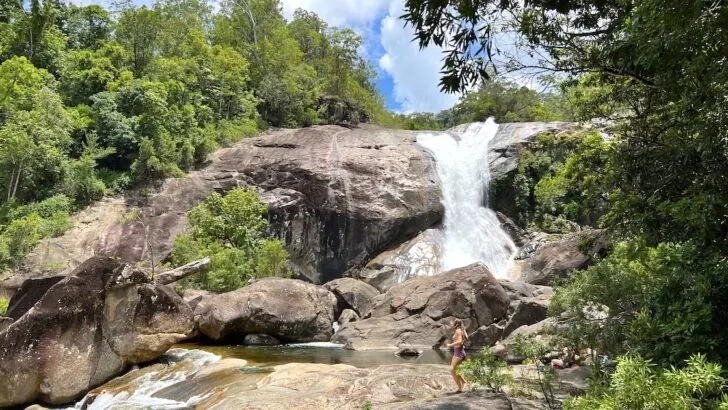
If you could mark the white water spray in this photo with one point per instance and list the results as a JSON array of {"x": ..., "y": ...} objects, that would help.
[
  {"x": 183, "y": 363},
  {"x": 472, "y": 232}
]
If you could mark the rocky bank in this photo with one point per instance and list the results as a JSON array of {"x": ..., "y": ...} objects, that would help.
[
  {"x": 69, "y": 336},
  {"x": 208, "y": 383}
]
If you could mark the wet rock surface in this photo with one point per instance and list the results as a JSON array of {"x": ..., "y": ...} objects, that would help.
[
  {"x": 232, "y": 384},
  {"x": 420, "y": 256},
  {"x": 260, "y": 340}
]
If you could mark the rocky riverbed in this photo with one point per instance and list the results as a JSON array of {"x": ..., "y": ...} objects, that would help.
[
  {"x": 359, "y": 212},
  {"x": 194, "y": 378}
]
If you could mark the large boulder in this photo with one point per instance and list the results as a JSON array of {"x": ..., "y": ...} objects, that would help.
[
  {"x": 337, "y": 197},
  {"x": 527, "y": 312},
  {"x": 86, "y": 329},
  {"x": 420, "y": 312},
  {"x": 353, "y": 294},
  {"x": 528, "y": 305},
  {"x": 346, "y": 316},
  {"x": 557, "y": 259},
  {"x": 288, "y": 309}
]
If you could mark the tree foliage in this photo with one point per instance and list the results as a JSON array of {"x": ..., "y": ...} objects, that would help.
[
  {"x": 500, "y": 98},
  {"x": 231, "y": 231},
  {"x": 562, "y": 182},
  {"x": 485, "y": 369},
  {"x": 638, "y": 384},
  {"x": 4, "y": 303}
]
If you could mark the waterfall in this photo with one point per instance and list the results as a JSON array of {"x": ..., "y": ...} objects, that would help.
[{"x": 471, "y": 231}]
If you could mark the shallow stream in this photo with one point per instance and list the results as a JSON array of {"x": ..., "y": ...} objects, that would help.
[
  {"x": 325, "y": 353},
  {"x": 175, "y": 382}
]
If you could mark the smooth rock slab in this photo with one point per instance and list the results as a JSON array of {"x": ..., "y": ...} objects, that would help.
[
  {"x": 337, "y": 197},
  {"x": 319, "y": 386}
]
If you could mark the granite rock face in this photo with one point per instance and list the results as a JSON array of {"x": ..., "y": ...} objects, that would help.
[
  {"x": 336, "y": 196},
  {"x": 420, "y": 312},
  {"x": 559, "y": 258},
  {"x": 353, "y": 294},
  {"x": 86, "y": 329}
]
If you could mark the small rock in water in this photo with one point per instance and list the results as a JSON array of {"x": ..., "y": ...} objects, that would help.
[
  {"x": 408, "y": 352},
  {"x": 260, "y": 340}
]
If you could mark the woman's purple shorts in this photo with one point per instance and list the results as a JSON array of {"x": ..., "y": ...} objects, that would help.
[{"x": 460, "y": 352}]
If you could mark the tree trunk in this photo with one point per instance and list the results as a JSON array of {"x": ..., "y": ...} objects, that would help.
[
  {"x": 182, "y": 272},
  {"x": 10, "y": 185},
  {"x": 17, "y": 179}
]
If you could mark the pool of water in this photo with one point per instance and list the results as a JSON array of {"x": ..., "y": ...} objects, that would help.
[{"x": 326, "y": 353}]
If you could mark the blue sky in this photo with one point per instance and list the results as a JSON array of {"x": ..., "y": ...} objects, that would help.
[{"x": 408, "y": 77}]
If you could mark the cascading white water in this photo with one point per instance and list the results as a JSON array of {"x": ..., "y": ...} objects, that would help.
[
  {"x": 183, "y": 363},
  {"x": 472, "y": 232}
]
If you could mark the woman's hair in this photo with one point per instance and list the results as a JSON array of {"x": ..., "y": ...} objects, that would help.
[{"x": 458, "y": 324}]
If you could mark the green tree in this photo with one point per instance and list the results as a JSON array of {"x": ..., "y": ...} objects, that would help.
[
  {"x": 82, "y": 182},
  {"x": 310, "y": 31},
  {"x": 36, "y": 131},
  {"x": 637, "y": 384},
  {"x": 230, "y": 230},
  {"x": 505, "y": 101},
  {"x": 661, "y": 302},
  {"x": 88, "y": 27},
  {"x": 534, "y": 351},
  {"x": 86, "y": 72},
  {"x": 485, "y": 369},
  {"x": 26, "y": 225},
  {"x": 34, "y": 31},
  {"x": 137, "y": 30}
]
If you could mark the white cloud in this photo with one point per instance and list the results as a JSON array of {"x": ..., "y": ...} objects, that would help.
[
  {"x": 416, "y": 73},
  {"x": 339, "y": 12}
]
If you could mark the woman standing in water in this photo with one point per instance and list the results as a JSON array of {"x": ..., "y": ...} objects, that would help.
[{"x": 458, "y": 342}]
